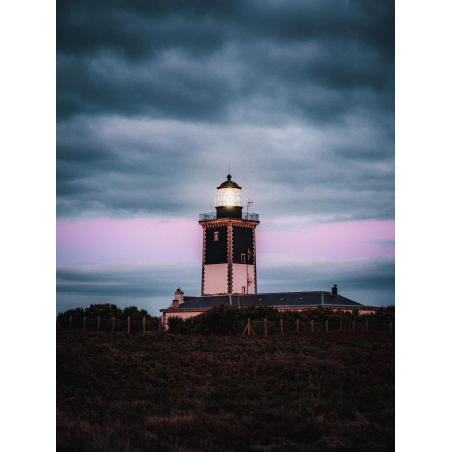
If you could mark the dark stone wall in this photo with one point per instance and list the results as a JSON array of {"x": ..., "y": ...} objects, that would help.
[
  {"x": 217, "y": 252},
  {"x": 242, "y": 239}
]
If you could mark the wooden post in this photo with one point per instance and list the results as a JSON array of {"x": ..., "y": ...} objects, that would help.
[
  {"x": 265, "y": 326},
  {"x": 366, "y": 326},
  {"x": 144, "y": 325},
  {"x": 84, "y": 323},
  {"x": 340, "y": 325},
  {"x": 282, "y": 328},
  {"x": 312, "y": 326},
  {"x": 326, "y": 326},
  {"x": 353, "y": 324},
  {"x": 113, "y": 326},
  {"x": 70, "y": 322},
  {"x": 390, "y": 327},
  {"x": 98, "y": 323},
  {"x": 249, "y": 327},
  {"x": 128, "y": 325}
]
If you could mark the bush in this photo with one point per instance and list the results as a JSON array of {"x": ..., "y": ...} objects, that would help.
[
  {"x": 221, "y": 319},
  {"x": 106, "y": 311}
]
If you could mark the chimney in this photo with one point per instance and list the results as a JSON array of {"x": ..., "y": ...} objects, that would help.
[
  {"x": 334, "y": 289},
  {"x": 179, "y": 297}
]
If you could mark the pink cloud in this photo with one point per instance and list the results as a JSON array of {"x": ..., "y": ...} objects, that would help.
[
  {"x": 126, "y": 241},
  {"x": 345, "y": 240},
  {"x": 147, "y": 240}
]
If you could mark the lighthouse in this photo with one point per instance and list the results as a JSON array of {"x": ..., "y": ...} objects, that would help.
[{"x": 229, "y": 245}]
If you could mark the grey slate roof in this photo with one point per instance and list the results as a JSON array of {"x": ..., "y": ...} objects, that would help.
[{"x": 281, "y": 299}]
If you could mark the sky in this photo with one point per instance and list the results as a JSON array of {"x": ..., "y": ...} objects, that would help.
[{"x": 154, "y": 101}]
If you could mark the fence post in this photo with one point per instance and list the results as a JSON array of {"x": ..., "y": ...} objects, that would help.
[
  {"x": 390, "y": 327},
  {"x": 366, "y": 326},
  {"x": 265, "y": 326},
  {"x": 113, "y": 326},
  {"x": 312, "y": 326},
  {"x": 70, "y": 322},
  {"x": 98, "y": 323},
  {"x": 84, "y": 323},
  {"x": 144, "y": 325},
  {"x": 282, "y": 328},
  {"x": 340, "y": 325},
  {"x": 128, "y": 325},
  {"x": 353, "y": 324},
  {"x": 326, "y": 326},
  {"x": 249, "y": 327},
  {"x": 298, "y": 325}
]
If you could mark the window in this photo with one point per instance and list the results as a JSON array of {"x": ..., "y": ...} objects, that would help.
[
  {"x": 243, "y": 258},
  {"x": 215, "y": 236},
  {"x": 243, "y": 289}
]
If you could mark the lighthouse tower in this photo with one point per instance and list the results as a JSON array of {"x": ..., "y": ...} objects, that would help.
[{"x": 229, "y": 245}]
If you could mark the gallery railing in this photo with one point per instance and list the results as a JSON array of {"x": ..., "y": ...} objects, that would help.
[{"x": 213, "y": 216}]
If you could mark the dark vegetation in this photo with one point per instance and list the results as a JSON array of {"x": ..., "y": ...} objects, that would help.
[
  {"x": 104, "y": 311},
  {"x": 169, "y": 392},
  {"x": 224, "y": 319}
]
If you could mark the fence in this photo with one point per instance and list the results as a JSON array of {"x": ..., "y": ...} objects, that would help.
[
  {"x": 241, "y": 327},
  {"x": 113, "y": 325},
  {"x": 265, "y": 327}
]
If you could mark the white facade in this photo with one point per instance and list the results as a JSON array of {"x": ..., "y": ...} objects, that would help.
[
  {"x": 243, "y": 276},
  {"x": 215, "y": 279}
]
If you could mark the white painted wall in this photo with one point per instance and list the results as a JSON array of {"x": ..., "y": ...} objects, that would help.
[
  {"x": 239, "y": 278},
  {"x": 215, "y": 279}
]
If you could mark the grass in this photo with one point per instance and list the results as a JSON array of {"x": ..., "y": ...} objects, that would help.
[{"x": 165, "y": 392}]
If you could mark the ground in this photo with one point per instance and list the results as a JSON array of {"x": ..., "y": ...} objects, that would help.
[{"x": 322, "y": 391}]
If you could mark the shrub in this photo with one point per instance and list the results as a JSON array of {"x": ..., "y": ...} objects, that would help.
[
  {"x": 221, "y": 319},
  {"x": 106, "y": 311}
]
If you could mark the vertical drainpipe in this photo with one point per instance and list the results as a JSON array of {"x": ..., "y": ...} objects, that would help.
[
  {"x": 322, "y": 302},
  {"x": 230, "y": 300}
]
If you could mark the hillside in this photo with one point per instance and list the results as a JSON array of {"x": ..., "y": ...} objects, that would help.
[{"x": 317, "y": 391}]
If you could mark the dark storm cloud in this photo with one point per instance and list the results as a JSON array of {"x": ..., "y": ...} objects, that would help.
[
  {"x": 158, "y": 57},
  {"x": 133, "y": 281},
  {"x": 355, "y": 277},
  {"x": 154, "y": 98},
  {"x": 367, "y": 281}
]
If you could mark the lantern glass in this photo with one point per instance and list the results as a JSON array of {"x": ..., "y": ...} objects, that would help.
[{"x": 228, "y": 197}]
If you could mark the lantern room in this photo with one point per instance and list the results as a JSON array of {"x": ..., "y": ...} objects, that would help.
[
  {"x": 228, "y": 200},
  {"x": 228, "y": 194}
]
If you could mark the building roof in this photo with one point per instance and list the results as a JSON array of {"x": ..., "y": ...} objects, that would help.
[
  {"x": 229, "y": 183},
  {"x": 280, "y": 300}
]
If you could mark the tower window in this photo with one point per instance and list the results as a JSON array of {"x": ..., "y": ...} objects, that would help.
[
  {"x": 243, "y": 289},
  {"x": 215, "y": 236},
  {"x": 243, "y": 258}
]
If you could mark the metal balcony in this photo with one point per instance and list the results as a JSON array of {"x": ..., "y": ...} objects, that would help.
[{"x": 213, "y": 216}]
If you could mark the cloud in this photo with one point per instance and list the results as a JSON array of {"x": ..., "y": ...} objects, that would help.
[
  {"x": 124, "y": 167},
  {"x": 299, "y": 96},
  {"x": 368, "y": 281},
  {"x": 214, "y": 63}
]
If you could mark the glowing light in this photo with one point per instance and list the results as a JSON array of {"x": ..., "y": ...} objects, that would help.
[{"x": 229, "y": 197}]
